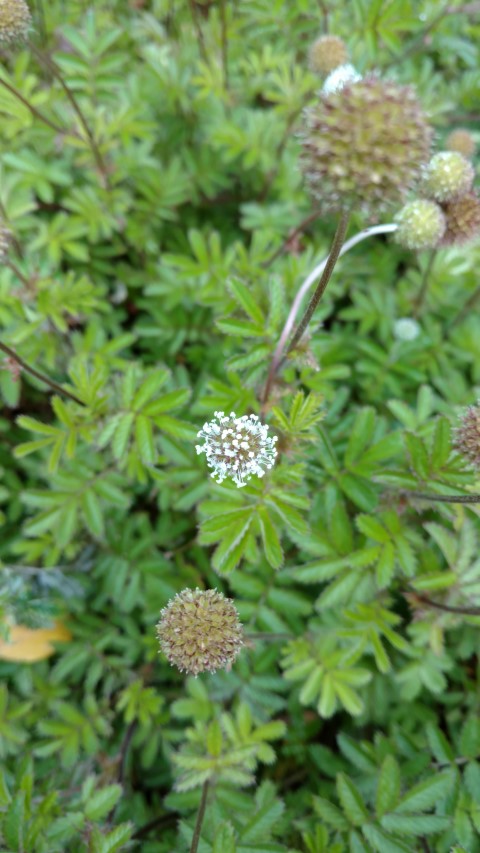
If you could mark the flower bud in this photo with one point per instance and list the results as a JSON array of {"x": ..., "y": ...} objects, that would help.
[
  {"x": 365, "y": 145},
  {"x": 15, "y": 21},
  {"x": 448, "y": 176},
  {"x": 421, "y": 225},
  {"x": 200, "y": 631},
  {"x": 327, "y": 53},
  {"x": 463, "y": 220},
  {"x": 461, "y": 141},
  {"x": 467, "y": 435}
]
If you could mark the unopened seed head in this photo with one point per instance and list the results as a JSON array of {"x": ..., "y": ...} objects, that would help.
[
  {"x": 467, "y": 435},
  {"x": 461, "y": 141},
  {"x": 421, "y": 225},
  {"x": 365, "y": 145},
  {"x": 462, "y": 218},
  {"x": 327, "y": 53},
  {"x": 15, "y": 21},
  {"x": 200, "y": 631},
  {"x": 448, "y": 176}
]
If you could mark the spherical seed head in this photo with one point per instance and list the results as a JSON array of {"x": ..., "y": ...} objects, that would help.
[
  {"x": 365, "y": 145},
  {"x": 463, "y": 220},
  {"x": 467, "y": 435},
  {"x": 448, "y": 176},
  {"x": 327, "y": 53},
  {"x": 237, "y": 447},
  {"x": 15, "y": 21},
  {"x": 421, "y": 225},
  {"x": 199, "y": 631},
  {"x": 5, "y": 240},
  {"x": 461, "y": 141}
]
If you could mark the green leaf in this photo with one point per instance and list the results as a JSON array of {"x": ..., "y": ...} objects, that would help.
[
  {"x": 426, "y": 794},
  {"x": 413, "y": 824},
  {"x": 270, "y": 539},
  {"x": 144, "y": 440},
  {"x": 388, "y": 786},
  {"x": 351, "y": 800},
  {"x": 102, "y": 802}
]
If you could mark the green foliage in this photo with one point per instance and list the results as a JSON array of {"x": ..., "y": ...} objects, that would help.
[{"x": 150, "y": 180}]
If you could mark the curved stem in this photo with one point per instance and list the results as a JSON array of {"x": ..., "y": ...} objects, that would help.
[
  {"x": 201, "y": 814},
  {"x": 54, "y": 385},
  {"x": 57, "y": 74},
  {"x": 431, "y": 496},
  {"x": 332, "y": 259},
  {"x": 307, "y": 284}
]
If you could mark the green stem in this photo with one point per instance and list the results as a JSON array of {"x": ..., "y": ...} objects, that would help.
[
  {"x": 200, "y": 816},
  {"x": 45, "y": 379},
  {"x": 424, "y": 286},
  {"x": 324, "y": 279}
]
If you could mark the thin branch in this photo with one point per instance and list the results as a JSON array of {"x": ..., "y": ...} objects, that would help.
[
  {"x": 447, "y": 608},
  {"x": 33, "y": 109},
  {"x": 465, "y": 311},
  {"x": 200, "y": 816},
  {"x": 224, "y": 37},
  {"x": 25, "y": 281},
  {"x": 124, "y": 751},
  {"x": 199, "y": 31},
  {"x": 431, "y": 496},
  {"x": 291, "y": 236},
  {"x": 57, "y": 74},
  {"x": 45, "y": 379},
  {"x": 425, "y": 281}
]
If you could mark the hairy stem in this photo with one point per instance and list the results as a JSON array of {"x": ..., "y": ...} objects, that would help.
[
  {"x": 45, "y": 379},
  {"x": 52, "y": 66},
  {"x": 33, "y": 109},
  {"x": 277, "y": 358},
  {"x": 424, "y": 286},
  {"x": 25, "y": 281},
  {"x": 201, "y": 814}
]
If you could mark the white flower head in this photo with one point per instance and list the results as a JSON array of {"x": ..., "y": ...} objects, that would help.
[
  {"x": 237, "y": 447},
  {"x": 340, "y": 77},
  {"x": 406, "y": 329}
]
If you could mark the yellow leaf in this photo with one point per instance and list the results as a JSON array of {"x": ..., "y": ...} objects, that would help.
[{"x": 26, "y": 645}]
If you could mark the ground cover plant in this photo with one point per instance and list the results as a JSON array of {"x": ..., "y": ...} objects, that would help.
[{"x": 240, "y": 428}]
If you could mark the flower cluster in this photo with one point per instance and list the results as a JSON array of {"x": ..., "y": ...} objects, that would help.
[
  {"x": 449, "y": 214},
  {"x": 467, "y": 435},
  {"x": 15, "y": 21},
  {"x": 364, "y": 144},
  {"x": 237, "y": 447},
  {"x": 199, "y": 631}
]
